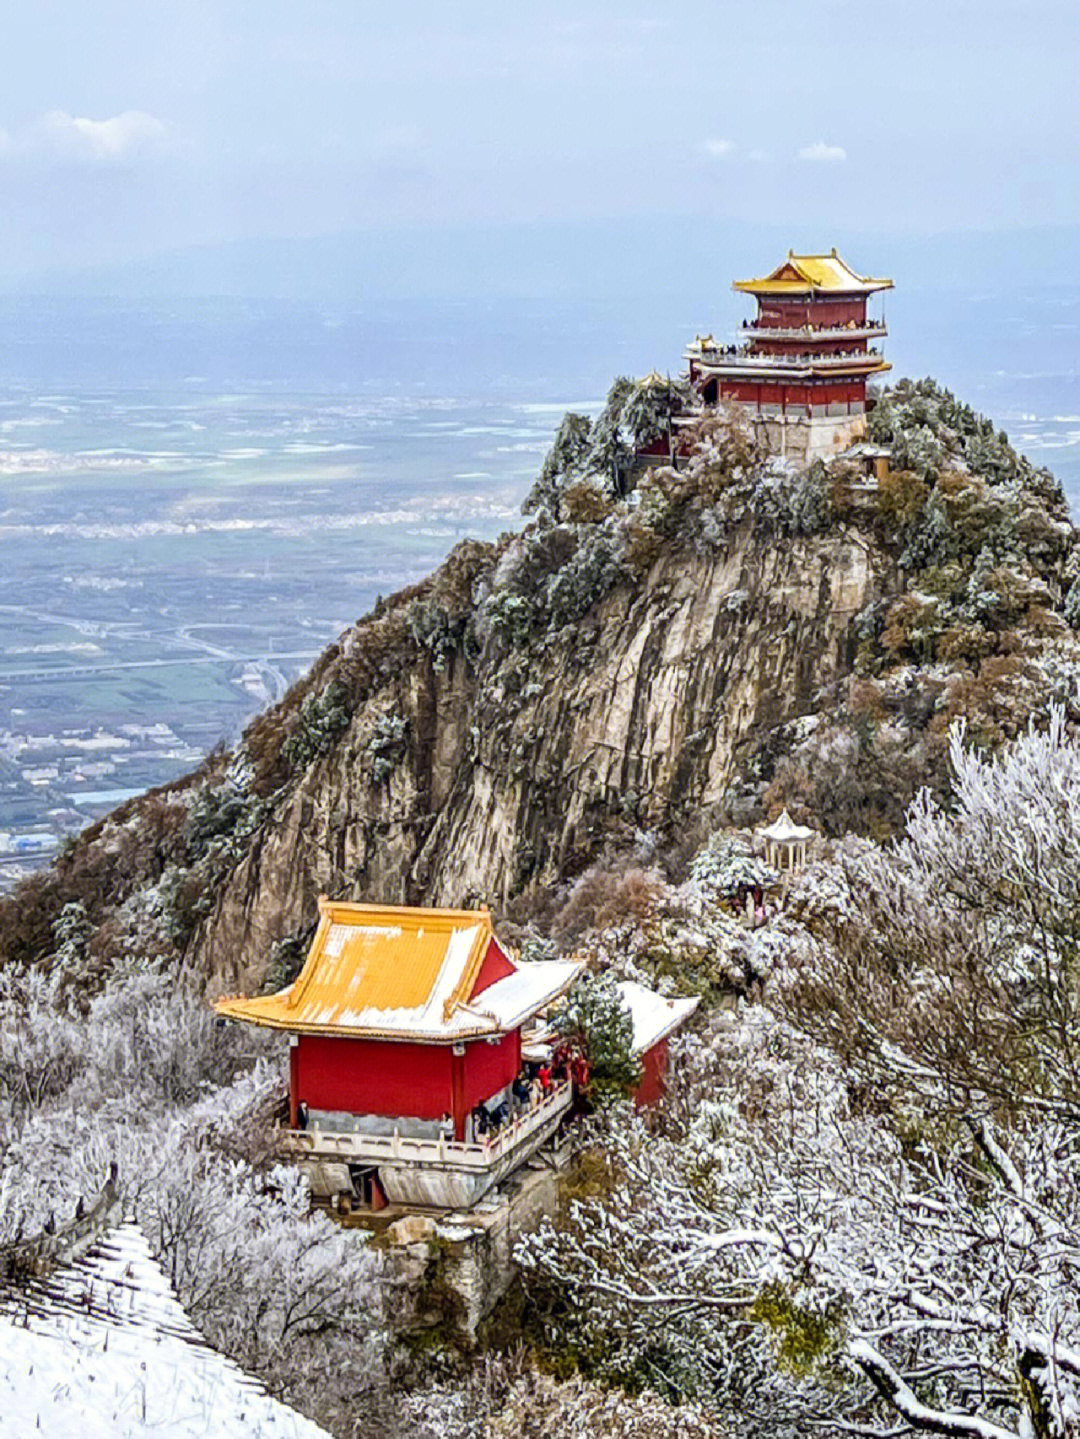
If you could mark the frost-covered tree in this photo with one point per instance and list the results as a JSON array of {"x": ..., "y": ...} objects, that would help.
[
  {"x": 876, "y": 1230},
  {"x": 71, "y": 931},
  {"x": 796, "y": 1264},
  {"x": 955, "y": 971},
  {"x": 600, "y": 452},
  {"x": 145, "y": 1077},
  {"x": 563, "y": 462}
]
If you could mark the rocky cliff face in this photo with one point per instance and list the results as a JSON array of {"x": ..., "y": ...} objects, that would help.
[
  {"x": 510, "y": 775},
  {"x": 718, "y": 641}
]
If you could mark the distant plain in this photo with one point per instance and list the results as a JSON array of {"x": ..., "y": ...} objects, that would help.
[{"x": 197, "y": 497}]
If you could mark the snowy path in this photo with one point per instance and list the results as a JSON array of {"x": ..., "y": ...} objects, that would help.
[{"x": 104, "y": 1350}]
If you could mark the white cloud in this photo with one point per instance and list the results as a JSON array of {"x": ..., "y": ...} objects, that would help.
[
  {"x": 829, "y": 154},
  {"x": 718, "y": 148},
  {"x": 61, "y": 136}
]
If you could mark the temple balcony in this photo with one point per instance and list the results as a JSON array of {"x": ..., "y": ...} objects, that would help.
[
  {"x": 447, "y": 1173},
  {"x": 748, "y": 361},
  {"x": 870, "y": 330}
]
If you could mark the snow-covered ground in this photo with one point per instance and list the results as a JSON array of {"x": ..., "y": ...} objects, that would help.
[{"x": 105, "y": 1351}]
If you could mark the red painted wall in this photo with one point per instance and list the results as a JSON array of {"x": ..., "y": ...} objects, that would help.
[
  {"x": 421, "y": 1081},
  {"x": 370, "y": 1076},
  {"x": 488, "y": 1067},
  {"x": 481, "y": 1072},
  {"x": 657, "y": 446},
  {"x": 794, "y": 397},
  {"x": 793, "y": 312},
  {"x": 495, "y": 966},
  {"x": 654, "y": 1069}
]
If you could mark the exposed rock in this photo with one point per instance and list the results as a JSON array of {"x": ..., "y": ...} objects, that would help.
[
  {"x": 411, "y": 1229},
  {"x": 654, "y": 698}
]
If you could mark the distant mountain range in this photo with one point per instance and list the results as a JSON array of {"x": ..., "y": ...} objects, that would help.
[{"x": 688, "y": 259}]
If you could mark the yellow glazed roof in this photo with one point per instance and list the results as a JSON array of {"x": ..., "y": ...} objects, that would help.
[
  {"x": 380, "y": 958},
  {"x": 807, "y": 274},
  {"x": 391, "y": 972}
]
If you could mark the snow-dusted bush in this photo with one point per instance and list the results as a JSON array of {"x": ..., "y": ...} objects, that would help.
[
  {"x": 727, "y": 861},
  {"x": 148, "y": 1079},
  {"x": 925, "y": 424},
  {"x": 321, "y": 718},
  {"x": 509, "y": 1397},
  {"x": 791, "y": 1261},
  {"x": 605, "y": 896},
  {"x": 387, "y": 746},
  {"x": 511, "y": 616}
]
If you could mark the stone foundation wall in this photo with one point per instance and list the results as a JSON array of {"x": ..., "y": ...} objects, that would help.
[
  {"x": 459, "y": 1267},
  {"x": 803, "y": 439}
]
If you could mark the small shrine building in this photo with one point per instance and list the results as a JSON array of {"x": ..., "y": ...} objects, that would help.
[
  {"x": 785, "y": 843},
  {"x": 803, "y": 362},
  {"x": 654, "y": 1018},
  {"x": 404, "y": 1024}
]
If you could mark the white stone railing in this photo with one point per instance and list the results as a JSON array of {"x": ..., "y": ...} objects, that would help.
[
  {"x": 397, "y": 1148},
  {"x": 869, "y": 330},
  {"x": 745, "y": 359}
]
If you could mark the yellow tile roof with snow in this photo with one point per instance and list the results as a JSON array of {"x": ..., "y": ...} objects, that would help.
[
  {"x": 377, "y": 968},
  {"x": 810, "y": 274}
]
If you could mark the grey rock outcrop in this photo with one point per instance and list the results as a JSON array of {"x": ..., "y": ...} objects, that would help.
[{"x": 647, "y": 703}]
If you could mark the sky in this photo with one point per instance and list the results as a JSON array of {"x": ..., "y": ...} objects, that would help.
[{"x": 133, "y": 130}]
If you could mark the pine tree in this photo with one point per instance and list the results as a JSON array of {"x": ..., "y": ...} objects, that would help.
[{"x": 596, "y": 1017}]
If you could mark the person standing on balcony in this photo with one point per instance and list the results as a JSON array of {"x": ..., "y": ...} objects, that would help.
[{"x": 520, "y": 1091}]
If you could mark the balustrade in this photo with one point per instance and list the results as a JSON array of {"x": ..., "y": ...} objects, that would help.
[{"x": 449, "y": 1153}]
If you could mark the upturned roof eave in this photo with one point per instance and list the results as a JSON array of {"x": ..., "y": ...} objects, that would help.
[
  {"x": 765, "y": 286},
  {"x": 477, "y": 1025},
  {"x": 824, "y": 274},
  {"x": 339, "y": 1031},
  {"x": 734, "y": 370}
]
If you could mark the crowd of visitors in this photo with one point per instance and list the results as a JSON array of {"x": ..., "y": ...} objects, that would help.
[{"x": 534, "y": 1082}]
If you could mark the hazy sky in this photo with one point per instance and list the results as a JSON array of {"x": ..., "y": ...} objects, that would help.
[{"x": 128, "y": 129}]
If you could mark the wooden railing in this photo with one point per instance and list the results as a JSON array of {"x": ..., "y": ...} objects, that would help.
[
  {"x": 59, "y": 1244},
  {"x": 396, "y": 1148}
]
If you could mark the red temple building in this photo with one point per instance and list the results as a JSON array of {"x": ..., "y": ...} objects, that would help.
[
  {"x": 802, "y": 363},
  {"x": 405, "y": 1030},
  {"x": 655, "y": 1019}
]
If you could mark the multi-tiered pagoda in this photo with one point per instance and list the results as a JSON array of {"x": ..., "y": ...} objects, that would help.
[{"x": 804, "y": 360}]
